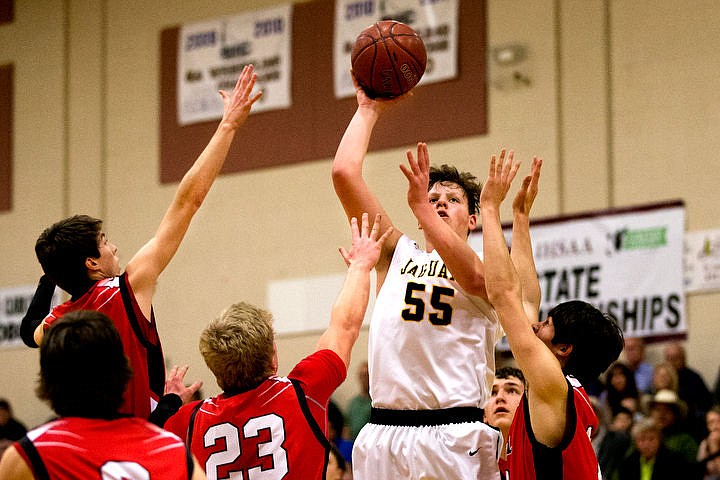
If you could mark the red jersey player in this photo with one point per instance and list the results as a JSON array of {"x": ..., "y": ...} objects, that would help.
[
  {"x": 550, "y": 433},
  {"x": 83, "y": 374},
  {"x": 262, "y": 423},
  {"x": 77, "y": 256}
]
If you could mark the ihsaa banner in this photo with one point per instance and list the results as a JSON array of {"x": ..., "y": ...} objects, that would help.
[
  {"x": 435, "y": 21},
  {"x": 212, "y": 54},
  {"x": 14, "y": 302},
  {"x": 627, "y": 262}
]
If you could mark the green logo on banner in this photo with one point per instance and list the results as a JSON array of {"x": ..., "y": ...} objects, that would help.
[{"x": 644, "y": 238}]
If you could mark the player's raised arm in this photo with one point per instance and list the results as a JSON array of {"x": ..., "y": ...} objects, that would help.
[
  {"x": 147, "y": 264},
  {"x": 547, "y": 392},
  {"x": 441, "y": 234},
  {"x": 347, "y": 168},
  {"x": 349, "y": 309},
  {"x": 521, "y": 251}
]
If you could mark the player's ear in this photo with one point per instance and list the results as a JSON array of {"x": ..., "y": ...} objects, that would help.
[
  {"x": 472, "y": 222},
  {"x": 563, "y": 351},
  {"x": 92, "y": 264}
]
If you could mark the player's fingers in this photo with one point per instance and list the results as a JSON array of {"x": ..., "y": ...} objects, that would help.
[
  {"x": 491, "y": 172},
  {"x": 506, "y": 164},
  {"x": 365, "y": 224},
  {"x": 411, "y": 161},
  {"x": 354, "y": 228},
  {"x": 385, "y": 235},
  {"x": 256, "y": 97},
  {"x": 501, "y": 159},
  {"x": 423, "y": 156}
]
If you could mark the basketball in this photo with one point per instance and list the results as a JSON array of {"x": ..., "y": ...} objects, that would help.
[{"x": 388, "y": 59}]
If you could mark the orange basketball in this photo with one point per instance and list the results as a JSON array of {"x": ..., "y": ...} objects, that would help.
[{"x": 388, "y": 59}]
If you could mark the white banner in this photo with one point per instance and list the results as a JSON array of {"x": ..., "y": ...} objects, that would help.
[
  {"x": 14, "y": 302},
  {"x": 627, "y": 263},
  {"x": 435, "y": 21},
  {"x": 702, "y": 261},
  {"x": 211, "y": 55}
]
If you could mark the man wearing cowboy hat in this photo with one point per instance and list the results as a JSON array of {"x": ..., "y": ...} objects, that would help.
[{"x": 669, "y": 411}]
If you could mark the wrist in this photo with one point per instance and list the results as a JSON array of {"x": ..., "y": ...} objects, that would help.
[
  {"x": 369, "y": 113},
  {"x": 489, "y": 208},
  {"x": 360, "y": 266}
]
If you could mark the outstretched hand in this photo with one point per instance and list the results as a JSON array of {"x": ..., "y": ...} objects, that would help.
[
  {"x": 500, "y": 176},
  {"x": 418, "y": 175},
  {"x": 174, "y": 384},
  {"x": 237, "y": 104},
  {"x": 366, "y": 246},
  {"x": 528, "y": 190}
]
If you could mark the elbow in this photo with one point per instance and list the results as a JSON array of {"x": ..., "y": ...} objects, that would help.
[
  {"x": 342, "y": 174},
  {"x": 502, "y": 292},
  {"x": 475, "y": 285}
]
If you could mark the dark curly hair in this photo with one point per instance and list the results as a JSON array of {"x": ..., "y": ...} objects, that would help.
[
  {"x": 596, "y": 338},
  {"x": 507, "y": 372},
  {"x": 465, "y": 180}
]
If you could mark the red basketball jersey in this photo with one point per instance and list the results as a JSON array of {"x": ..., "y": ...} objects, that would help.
[
  {"x": 89, "y": 448},
  {"x": 114, "y": 298},
  {"x": 277, "y": 430},
  {"x": 573, "y": 459}
]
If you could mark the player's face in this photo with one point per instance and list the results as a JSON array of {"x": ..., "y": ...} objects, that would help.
[
  {"x": 109, "y": 260},
  {"x": 545, "y": 331},
  {"x": 451, "y": 204},
  {"x": 713, "y": 422},
  {"x": 648, "y": 444},
  {"x": 504, "y": 400}
]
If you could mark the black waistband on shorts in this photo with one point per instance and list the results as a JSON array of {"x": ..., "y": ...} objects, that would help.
[{"x": 424, "y": 418}]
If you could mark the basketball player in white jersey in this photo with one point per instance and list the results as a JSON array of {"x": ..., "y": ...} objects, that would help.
[{"x": 433, "y": 332}]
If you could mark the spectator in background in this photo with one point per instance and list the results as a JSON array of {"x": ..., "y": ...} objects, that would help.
[
  {"x": 620, "y": 390},
  {"x": 634, "y": 353},
  {"x": 709, "y": 451},
  {"x": 665, "y": 377},
  {"x": 650, "y": 459},
  {"x": 612, "y": 439},
  {"x": 358, "y": 413},
  {"x": 10, "y": 428},
  {"x": 691, "y": 389},
  {"x": 668, "y": 412}
]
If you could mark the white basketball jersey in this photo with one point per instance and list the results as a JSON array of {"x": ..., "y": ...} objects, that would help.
[{"x": 431, "y": 344}]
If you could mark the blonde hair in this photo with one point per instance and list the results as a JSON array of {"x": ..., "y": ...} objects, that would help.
[
  {"x": 672, "y": 374},
  {"x": 238, "y": 347}
]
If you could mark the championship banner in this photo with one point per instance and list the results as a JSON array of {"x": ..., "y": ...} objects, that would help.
[
  {"x": 211, "y": 55},
  {"x": 627, "y": 262},
  {"x": 702, "y": 261},
  {"x": 14, "y": 302},
  {"x": 435, "y": 21}
]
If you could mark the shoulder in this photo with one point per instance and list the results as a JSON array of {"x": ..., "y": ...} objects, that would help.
[
  {"x": 324, "y": 363},
  {"x": 320, "y": 373},
  {"x": 13, "y": 465}
]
